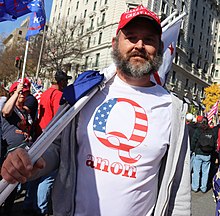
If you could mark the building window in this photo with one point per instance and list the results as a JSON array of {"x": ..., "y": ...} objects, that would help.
[
  {"x": 103, "y": 18},
  {"x": 82, "y": 28},
  {"x": 68, "y": 12},
  {"x": 91, "y": 24},
  {"x": 203, "y": 11},
  {"x": 94, "y": 6},
  {"x": 208, "y": 30},
  {"x": 100, "y": 38},
  {"x": 176, "y": 58},
  {"x": 195, "y": 14},
  {"x": 190, "y": 57},
  {"x": 74, "y": 20},
  {"x": 198, "y": 64},
  {"x": 202, "y": 93},
  {"x": 196, "y": 3},
  {"x": 77, "y": 5},
  {"x": 89, "y": 41},
  {"x": 193, "y": 30},
  {"x": 183, "y": 6},
  {"x": 20, "y": 32},
  {"x": 199, "y": 50},
  {"x": 216, "y": 73},
  {"x": 86, "y": 61},
  {"x": 187, "y": 83},
  {"x": 163, "y": 7},
  {"x": 207, "y": 42},
  {"x": 200, "y": 37},
  {"x": 173, "y": 80},
  {"x": 192, "y": 42},
  {"x": 218, "y": 49},
  {"x": 97, "y": 60},
  {"x": 195, "y": 88},
  {"x": 85, "y": 12},
  {"x": 202, "y": 23},
  {"x": 218, "y": 61}
]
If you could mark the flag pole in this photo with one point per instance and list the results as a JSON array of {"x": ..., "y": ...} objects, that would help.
[
  {"x": 174, "y": 21},
  {"x": 40, "y": 55},
  {"x": 44, "y": 141},
  {"x": 164, "y": 22},
  {"x": 25, "y": 60}
]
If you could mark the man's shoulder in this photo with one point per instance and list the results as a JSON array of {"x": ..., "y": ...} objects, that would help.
[{"x": 51, "y": 90}]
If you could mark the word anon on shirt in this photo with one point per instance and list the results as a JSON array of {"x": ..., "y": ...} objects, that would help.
[{"x": 115, "y": 168}]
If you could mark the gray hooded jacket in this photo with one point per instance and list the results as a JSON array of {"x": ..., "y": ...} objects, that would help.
[{"x": 174, "y": 180}]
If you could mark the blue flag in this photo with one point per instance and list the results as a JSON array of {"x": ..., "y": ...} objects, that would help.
[
  {"x": 17, "y": 8},
  {"x": 37, "y": 19},
  {"x": 36, "y": 5},
  {"x": 4, "y": 16},
  {"x": 12, "y": 9}
]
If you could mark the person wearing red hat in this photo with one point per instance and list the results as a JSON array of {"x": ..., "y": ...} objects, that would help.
[
  {"x": 127, "y": 151},
  {"x": 16, "y": 126}
]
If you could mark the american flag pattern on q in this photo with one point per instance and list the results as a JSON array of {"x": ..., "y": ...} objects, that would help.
[{"x": 125, "y": 144}]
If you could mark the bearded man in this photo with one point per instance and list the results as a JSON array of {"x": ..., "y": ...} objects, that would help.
[{"x": 126, "y": 153}]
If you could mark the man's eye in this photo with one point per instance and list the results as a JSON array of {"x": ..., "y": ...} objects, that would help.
[
  {"x": 148, "y": 40},
  {"x": 132, "y": 39}
]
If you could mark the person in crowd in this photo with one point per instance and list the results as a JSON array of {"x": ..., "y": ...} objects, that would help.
[
  {"x": 191, "y": 127},
  {"x": 3, "y": 96},
  {"x": 216, "y": 177},
  {"x": 127, "y": 151},
  {"x": 15, "y": 127},
  {"x": 38, "y": 198},
  {"x": 203, "y": 145},
  {"x": 50, "y": 99}
]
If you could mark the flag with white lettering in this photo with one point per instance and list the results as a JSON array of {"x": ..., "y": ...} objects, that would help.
[
  {"x": 37, "y": 18},
  {"x": 169, "y": 38},
  {"x": 212, "y": 112}
]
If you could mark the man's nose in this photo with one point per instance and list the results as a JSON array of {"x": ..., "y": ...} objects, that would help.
[{"x": 139, "y": 44}]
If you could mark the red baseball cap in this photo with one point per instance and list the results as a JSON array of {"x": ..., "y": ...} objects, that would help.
[
  {"x": 199, "y": 119},
  {"x": 26, "y": 85},
  {"x": 139, "y": 11}
]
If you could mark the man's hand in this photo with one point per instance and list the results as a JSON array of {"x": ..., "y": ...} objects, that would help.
[
  {"x": 19, "y": 88},
  {"x": 17, "y": 167}
]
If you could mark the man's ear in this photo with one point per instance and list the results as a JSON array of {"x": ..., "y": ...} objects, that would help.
[{"x": 113, "y": 42}]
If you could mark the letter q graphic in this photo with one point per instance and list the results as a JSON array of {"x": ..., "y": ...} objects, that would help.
[{"x": 125, "y": 144}]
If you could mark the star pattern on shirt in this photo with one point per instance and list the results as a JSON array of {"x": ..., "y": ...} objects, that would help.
[{"x": 102, "y": 114}]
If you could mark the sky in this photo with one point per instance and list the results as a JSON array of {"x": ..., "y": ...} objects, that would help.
[{"x": 7, "y": 27}]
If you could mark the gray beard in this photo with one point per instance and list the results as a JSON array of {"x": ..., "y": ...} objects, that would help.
[{"x": 136, "y": 71}]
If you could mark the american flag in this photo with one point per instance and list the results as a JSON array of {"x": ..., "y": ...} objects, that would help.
[
  {"x": 36, "y": 91},
  {"x": 213, "y": 111},
  {"x": 125, "y": 143}
]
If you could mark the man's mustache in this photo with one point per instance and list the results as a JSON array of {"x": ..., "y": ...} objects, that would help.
[{"x": 138, "y": 54}]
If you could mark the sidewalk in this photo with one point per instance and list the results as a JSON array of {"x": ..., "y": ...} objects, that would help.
[{"x": 203, "y": 204}]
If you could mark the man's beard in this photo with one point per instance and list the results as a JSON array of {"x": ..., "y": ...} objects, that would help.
[{"x": 139, "y": 69}]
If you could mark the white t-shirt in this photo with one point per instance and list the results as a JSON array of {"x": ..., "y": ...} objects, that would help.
[{"x": 122, "y": 135}]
